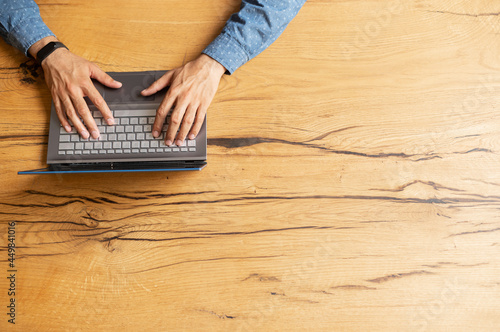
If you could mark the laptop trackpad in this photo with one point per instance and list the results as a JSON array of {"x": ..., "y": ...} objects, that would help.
[{"x": 131, "y": 89}]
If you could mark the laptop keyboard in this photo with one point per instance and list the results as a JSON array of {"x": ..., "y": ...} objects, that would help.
[{"x": 131, "y": 134}]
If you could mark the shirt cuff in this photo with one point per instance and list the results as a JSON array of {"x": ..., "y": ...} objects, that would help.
[
  {"x": 228, "y": 52},
  {"x": 27, "y": 33}
]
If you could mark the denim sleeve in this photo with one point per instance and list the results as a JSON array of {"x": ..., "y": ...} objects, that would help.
[
  {"x": 21, "y": 24},
  {"x": 250, "y": 31}
]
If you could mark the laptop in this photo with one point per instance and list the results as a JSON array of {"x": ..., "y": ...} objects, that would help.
[{"x": 127, "y": 146}]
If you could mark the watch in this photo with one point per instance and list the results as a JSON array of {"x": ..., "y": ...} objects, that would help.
[{"x": 47, "y": 50}]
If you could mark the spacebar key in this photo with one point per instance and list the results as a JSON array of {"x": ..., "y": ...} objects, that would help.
[{"x": 143, "y": 112}]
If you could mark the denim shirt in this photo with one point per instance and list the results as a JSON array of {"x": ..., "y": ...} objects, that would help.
[{"x": 246, "y": 34}]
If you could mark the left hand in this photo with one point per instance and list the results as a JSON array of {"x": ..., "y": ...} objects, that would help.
[{"x": 192, "y": 88}]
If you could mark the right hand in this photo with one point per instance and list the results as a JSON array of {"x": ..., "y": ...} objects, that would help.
[{"x": 68, "y": 77}]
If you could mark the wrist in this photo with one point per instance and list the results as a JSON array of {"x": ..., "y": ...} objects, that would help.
[
  {"x": 36, "y": 47},
  {"x": 212, "y": 64}
]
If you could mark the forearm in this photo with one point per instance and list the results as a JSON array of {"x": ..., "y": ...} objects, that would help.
[
  {"x": 21, "y": 24},
  {"x": 250, "y": 31}
]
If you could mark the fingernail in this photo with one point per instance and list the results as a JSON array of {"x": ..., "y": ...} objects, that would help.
[
  {"x": 95, "y": 134},
  {"x": 156, "y": 133},
  {"x": 191, "y": 136},
  {"x": 168, "y": 142},
  {"x": 110, "y": 121},
  {"x": 67, "y": 128},
  {"x": 179, "y": 142},
  {"x": 85, "y": 134},
  {"x": 120, "y": 83}
]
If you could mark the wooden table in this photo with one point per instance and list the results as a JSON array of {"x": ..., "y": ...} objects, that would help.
[{"x": 352, "y": 180}]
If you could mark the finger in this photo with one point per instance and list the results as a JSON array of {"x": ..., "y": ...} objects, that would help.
[
  {"x": 198, "y": 122},
  {"x": 73, "y": 117},
  {"x": 100, "y": 103},
  {"x": 159, "y": 84},
  {"x": 161, "y": 114},
  {"x": 175, "y": 121},
  {"x": 104, "y": 78},
  {"x": 187, "y": 123},
  {"x": 60, "y": 114},
  {"x": 83, "y": 110}
]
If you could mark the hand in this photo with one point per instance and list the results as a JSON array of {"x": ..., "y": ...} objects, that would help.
[
  {"x": 192, "y": 88},
  {"x": 68, "y": 77}
]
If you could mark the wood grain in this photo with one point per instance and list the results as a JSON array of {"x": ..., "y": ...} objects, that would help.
[{"x": 352, "y": 179}]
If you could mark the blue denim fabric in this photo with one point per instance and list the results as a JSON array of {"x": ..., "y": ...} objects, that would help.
[
  {"x": 250, "y": 31},
  {"x": 21, "y": 24}
]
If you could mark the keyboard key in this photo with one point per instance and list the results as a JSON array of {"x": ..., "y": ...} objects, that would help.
[
  {"x": 86, "y": 152},
  {"x": 151, "y": 120},
  {"x": 144, "y": 150},
  {"x": 124, "y": 121},
  {"x": 154, "y": 144},
  {"x": 64, "y": 138},
  {"x": 136, "y": 144},
  {"x": 78, "y": 152},
  {"x": 159, "y": 150},
  {"x": 135, "y": 150},
  {"x": 129, "y": 129},
  {"x": 143, "y": 121},
  {"x": 79, "y": 146},
  {"x": 110, "y": 151},
  {"x": 132, "y": 113},
  {"x": 134, "y": 121},
  {"x": 75, "y": 138},
  {"x": 103, "y": 137},
  {"x": 147, "y": 128},
  {"x": 126, "y": 151},
  {"x": 70, "y": 152},
  {"x": 122, "y": 137},
  {"x": 62, "y": 152},
  {"x": 192, "y": 150},
  {"x": 98, "y": 145},
  {"x": 98, "y": 121},
  {"x": 117, "y": 145},
  {"x": 126, "y": 145},
  {"x": 131, "y": 137},
  {"x": 107, "y": 145},
  {"x": 138, "y": 129},
  {"x": 118, "y": 151},
  {"x": 94, "y": 152},
  {"x": 152, "y": 150},
  {"x": 66, "y": 146},
  {"x": 110, "y": 129},
  {"x": 102, "y": 151},
  {"x": 112, "y": 137},
  {"x": 184, "y": 149},
  {"x": 144, "y": 144},
  {"x": 140, "y": 136},
  {"x": 191, "y": 142},
  {"x": 89, "y": 146},
  {"x": 117, "y": 121},
  {"x": 149, "y": 136},
  {"x": 119, "y": 129},
  {"x": 175, "y": 149}
]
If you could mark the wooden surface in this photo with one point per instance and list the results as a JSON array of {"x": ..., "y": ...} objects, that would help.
[{"x": 352, "y": 180}]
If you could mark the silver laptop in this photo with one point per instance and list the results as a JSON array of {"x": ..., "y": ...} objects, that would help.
[{"x": 127, "y": 146}]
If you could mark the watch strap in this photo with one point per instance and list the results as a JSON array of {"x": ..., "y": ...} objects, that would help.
[{"x": 47, "y": 50}]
